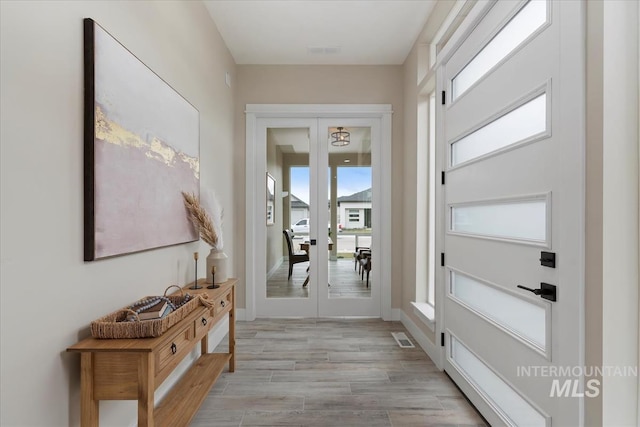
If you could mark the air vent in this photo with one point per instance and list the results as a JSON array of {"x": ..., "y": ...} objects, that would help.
[
  {"x": 324, "y": 50},
  {"x": 402, "y": 340}
]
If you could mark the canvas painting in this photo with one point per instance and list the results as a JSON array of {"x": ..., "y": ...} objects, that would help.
[{"x": 141, "y": 151}]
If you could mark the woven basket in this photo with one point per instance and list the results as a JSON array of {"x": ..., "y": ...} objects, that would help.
[{"x": 115, "y": 325}]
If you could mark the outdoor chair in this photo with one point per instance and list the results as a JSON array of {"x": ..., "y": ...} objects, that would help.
[
  {"x": 365, "y": 265},
  {"x": 357, "y": 255},
  {"x": 294, "y": 257}
]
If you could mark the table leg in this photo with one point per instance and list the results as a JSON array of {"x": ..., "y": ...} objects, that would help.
[
  {"x": 204, "y": 344},
  {"x": 145, "y": 390},
  {"x": 232, "y": 331},
  {"x": 89, "y": 407}
]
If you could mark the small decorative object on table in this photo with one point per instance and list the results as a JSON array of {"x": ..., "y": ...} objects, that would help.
[
  {"x": 151, "y": 308},
  {"x": 210, "y": 231},
  {"x": 127, "y": 322},
  {"x": 213, "y": 279},
  {"x": 195, "y": 283}
]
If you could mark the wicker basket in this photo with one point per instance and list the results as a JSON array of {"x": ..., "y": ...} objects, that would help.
[{"x": 115, "y": 325}]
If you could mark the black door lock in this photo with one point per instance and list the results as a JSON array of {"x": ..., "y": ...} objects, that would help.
[
  {"x": 548, "y": 259},
  {"x": 546, "y": 291}
]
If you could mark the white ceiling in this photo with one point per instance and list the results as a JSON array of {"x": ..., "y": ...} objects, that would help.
[{"x": 363, "y": 32}]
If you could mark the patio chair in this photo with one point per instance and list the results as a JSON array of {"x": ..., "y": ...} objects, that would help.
[
  {"x": 357, "y": 255},
  {"x": 294, "y": 257},
  {"x": 365, "y": 265}
]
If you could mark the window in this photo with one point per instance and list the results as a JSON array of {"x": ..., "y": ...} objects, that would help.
[
  {"x": 431, "y": 293},
  {"x": 524, "y": 220},
  {"x": 522, "y": 123},
  {"x": 424, "y": 305},
  {"x": 354, "y": 215},
  {"x": 522, "y": 26},
  {"x": 513, "y": 408}
]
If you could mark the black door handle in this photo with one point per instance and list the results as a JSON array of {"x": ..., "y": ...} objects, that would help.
[{"x": 546, "y": 291}]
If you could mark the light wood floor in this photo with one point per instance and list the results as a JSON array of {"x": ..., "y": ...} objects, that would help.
[
  {"x": 345, "y": 281},
  {"x": 331, "y": 372}
]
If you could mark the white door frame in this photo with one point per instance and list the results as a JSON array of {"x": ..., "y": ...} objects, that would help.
[{"x": 255, "y": 181}]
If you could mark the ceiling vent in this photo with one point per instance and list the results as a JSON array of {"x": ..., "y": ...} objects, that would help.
[{"x": 324, "y": 50}]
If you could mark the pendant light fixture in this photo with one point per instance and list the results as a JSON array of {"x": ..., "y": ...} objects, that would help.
[{"x": 340, "y": 138}]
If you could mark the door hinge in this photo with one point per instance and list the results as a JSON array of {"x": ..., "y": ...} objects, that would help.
[
  {"x": 444, "y": 97},
  {"x": 442, "y": 339},
  {"x": 442, "y": 177},
  {"x": 441, "y": 259}
]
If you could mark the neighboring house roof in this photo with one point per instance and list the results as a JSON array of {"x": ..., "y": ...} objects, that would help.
[
  {"x": 361, "y": 196},
  {"x": 297, "y": 203}
]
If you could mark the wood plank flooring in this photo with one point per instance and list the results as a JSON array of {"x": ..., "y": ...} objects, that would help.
[
  {"x": 331, "y": 372},
  {"x": 345, "y": 281}
]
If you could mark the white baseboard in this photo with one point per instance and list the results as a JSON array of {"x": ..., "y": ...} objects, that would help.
[
  {"x": 275, "y": 267},
  {"x": 396, "y": 314},
  {"x": 241, "y": 314},
  {"x": 433, "y": 350}
]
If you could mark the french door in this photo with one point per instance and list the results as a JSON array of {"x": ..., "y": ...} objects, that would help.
[
  {"x": 321, "y": 201},
  {"x": 512, "y": 139}
]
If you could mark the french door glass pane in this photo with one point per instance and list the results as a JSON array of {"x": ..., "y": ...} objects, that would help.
[
  {"x": 522, "y": 123},
  {"x": 508, "y": 402},
  {"x": 288, "y": 166},
  {"x": 518, "y": 316},
  {"x": 350, "y": 205},
  {"x": 520, "y": 27},
  {"x": 524, "y": 220}
]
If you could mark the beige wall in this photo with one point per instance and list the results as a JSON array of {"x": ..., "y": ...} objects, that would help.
[
  {"x": 285, "y": 84},
  {"x": 48, "y": 294}
]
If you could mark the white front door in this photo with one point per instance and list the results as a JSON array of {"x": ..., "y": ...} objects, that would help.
[
  {"x": 292, "y": 144},
  {"x": 513, "y": 197}
]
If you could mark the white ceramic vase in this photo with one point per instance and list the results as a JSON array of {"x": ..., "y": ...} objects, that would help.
[{"x": 217, "y": 259}]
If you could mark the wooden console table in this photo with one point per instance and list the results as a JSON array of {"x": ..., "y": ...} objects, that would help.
[{"x": 132, "y": 369}]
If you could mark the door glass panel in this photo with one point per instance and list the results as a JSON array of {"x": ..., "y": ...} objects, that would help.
[
  {"x": 287, "y": 259},
  {"x": 519, "y": 317},
  {"x": 524, "y": 220},
  {"x": 516, "y": 410},
  {"x": 531, "y": 17},
  {"x": 350, "y": 205},
  {"x": 522, "y": 123}
]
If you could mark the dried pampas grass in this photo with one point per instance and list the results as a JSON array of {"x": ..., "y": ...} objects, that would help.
[
  {"x": 212, "y": 205},
  {"x": 201, "y": 219}
]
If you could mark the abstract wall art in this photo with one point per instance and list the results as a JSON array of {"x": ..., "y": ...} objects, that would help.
[{"x": 141, "y": 151}]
